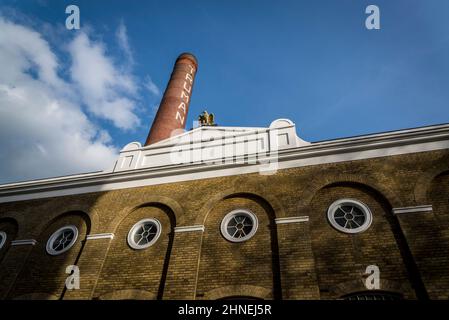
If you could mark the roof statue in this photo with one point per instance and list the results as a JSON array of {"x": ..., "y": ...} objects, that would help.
[{"x": 206, "y": 119}]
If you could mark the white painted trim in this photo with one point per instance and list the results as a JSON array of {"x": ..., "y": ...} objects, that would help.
[
  {"x": 56, "y": 234},
  {"x": 231, "y": 215},
  {"x": 292, "y": 219},
  {"x": 190, "y": 228},
  {"x": 23, "y": 242},
  {"x": 351, "y": 202},
  {"x": 3, "y": 238},
  {"x": 415, "y": 209},
  {"x": 100, "y": 236},
  {"x": 136, "y": 226},
  {"x": 341, "y": 150}
]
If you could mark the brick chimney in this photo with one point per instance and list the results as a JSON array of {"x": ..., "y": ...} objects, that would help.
[{"x": 174, "y": 106}]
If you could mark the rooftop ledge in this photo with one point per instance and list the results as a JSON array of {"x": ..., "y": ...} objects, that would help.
[{"x": 218, "y": 151}]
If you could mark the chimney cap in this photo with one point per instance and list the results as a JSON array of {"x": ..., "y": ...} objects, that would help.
[{"x": 188, "y": 56}]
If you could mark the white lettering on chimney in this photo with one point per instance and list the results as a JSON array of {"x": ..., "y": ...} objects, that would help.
[
  {"x": 185, "y": 96},
  {"x": 179, "y": 117},
  {"x": 189, "y": 89},
  {"x": 182, "y": 106}
]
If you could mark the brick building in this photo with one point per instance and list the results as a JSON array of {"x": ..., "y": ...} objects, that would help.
[{"x": 225, "y": 212}]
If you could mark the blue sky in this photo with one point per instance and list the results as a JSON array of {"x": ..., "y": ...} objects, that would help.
[{"x": 313, "y": 62}]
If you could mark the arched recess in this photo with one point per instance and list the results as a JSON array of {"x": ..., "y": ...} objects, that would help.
[
  {"x": 433, "y": 188},
  {"x": 148, "y": 200},
  {"x": 346, "y": 288},
  {"x": 321, "y": 182},
  {"x": 430, "y": 232},
  {"x": 138, "y": 269},
  {"x": 130, "y": 294},
  {"x": 9, "y": 228},
  {"x": 43, "y": 272},
  {"x": 270, "y": 201},
  {"x": 437, "y": 194},
  {"x": 239, "y": 291},
  {"x": 254, "y": 262},
  {"x": 58, "y": 210},
  {"x": 343, "y": 257},
  {"x": 424, "y": 182}
]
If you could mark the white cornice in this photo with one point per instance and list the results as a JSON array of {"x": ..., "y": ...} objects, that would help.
[
  {"x": 100, "y": 236},
  {"x": 24, "y": 242},
  {"x": 292, "y": 220},
  {"x": 340, "y": 150},
  {"x": 415, "y": 209},
  {"x": 190, "y": 228}
]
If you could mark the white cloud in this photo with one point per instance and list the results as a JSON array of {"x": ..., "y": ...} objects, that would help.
[
  {"x": 151, "y": 86},
  {"x": 43, "y": 129},
  {"x": 122, "y": 39},
  {"x": 108, "y": 92}
]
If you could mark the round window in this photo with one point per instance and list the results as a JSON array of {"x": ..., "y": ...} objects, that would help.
[
  {"x": 349, "y": 216},
  {"x": 239, "y": 225},
  {"x": 2, "y": 239},
  {"x": 62, "y": 240},
  {"x": 144, "y": 233}
]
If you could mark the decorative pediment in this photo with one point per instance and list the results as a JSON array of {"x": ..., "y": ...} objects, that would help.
[{"x": 212, "y": 144}]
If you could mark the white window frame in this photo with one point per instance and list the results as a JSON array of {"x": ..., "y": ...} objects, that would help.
[
  {"x": 352, "y": 202},
  {"x": 231, "y": 215},
  {"x": 3, "y": 239},
  {"x": 51, "y": 240},
  {"x": 136, "y": 226}
]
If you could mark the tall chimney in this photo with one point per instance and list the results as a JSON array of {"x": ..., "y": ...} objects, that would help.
[{"x": 172, "y": 112}]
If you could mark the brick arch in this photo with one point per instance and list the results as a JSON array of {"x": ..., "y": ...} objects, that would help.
[
  {"x": 424, "y": 182},
  {"x": 11, "y": 220},
  {"x": 318, "y": 184},
  {"x": 273, "y": 203},
  {"x": 91, "y": 216},
  {"x": 354, "y": 286},
  {"x": 171, "y": 204},
  {"x": 12, "y": 216},
  {"x": 128, "y": 294},
  {"x": 41, "y": 270},
  {"x": 239, "y": 290},
  {"x": 37, "y": 296},
  {"x": 168, "y": 210},
  {"x": 20, "y": 219},
  {"x": 271, "y": 209},
  {"x": 11, "y": 228}
]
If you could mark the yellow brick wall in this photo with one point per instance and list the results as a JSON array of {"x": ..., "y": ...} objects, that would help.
[{"x": 305, "y": 260}]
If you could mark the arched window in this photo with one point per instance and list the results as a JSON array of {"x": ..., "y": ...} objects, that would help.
[
  {"x": 3, "y": 237},
  {"x": 349, "y": 216},
  {"x": 144, "y": 233},
  {"x": 239, "y": 225},
  {"x": 62, "y": 240}
]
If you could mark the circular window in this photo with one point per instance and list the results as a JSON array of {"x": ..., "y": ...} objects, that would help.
[
  {"x": 2, "y": 239},
  {"x": 350, "y": 216},
  {"x": 239, "y": 225},
  {"x": 62, "y": 240},
  {"x": 144, "y": 233}
]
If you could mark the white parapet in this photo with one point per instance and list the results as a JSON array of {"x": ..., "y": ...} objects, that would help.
[{"x": 212, "y": 145}]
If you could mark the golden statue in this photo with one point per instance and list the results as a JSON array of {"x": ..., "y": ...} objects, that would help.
[{"x": 206, "y": 119}]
